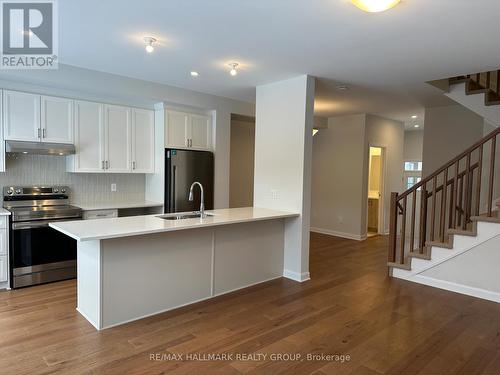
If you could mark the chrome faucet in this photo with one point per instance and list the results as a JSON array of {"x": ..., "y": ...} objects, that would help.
[{"x": 202, "y": 204}]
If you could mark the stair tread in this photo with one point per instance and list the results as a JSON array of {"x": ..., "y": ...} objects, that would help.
[
  {"x": 492, "y": 219},
  {"x": 445, "y": 245},
  {"x": 415, "y": 254},
  {"x": 405, "y": 266},
  {"x": 462, "y": 232}
]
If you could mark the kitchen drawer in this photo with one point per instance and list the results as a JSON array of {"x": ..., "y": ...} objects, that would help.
[
  {"x": 4, "y": 222},
  {"x": 3, "y": 241},
  {"x": 3, "y": 268},
  {"x": 100, "y": 214}
]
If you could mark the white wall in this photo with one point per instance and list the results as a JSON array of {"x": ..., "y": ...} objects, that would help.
[
  {"x": 283, "y": 145},
  {"x": 86, "y": 84},
  {"x": 389, "y": 134},
  {"x": 448, "y": 132},
  {"x": 414, "y": 145},
  {"x": 337, "y": 177}
]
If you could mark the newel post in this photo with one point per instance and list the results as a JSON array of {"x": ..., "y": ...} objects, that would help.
[{"x": 393, "y": 228}]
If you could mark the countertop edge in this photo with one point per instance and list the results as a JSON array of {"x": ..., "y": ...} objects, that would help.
[{"x": 174, "y": 229}]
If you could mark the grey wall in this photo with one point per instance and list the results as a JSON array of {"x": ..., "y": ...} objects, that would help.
[
  {"x": 241, "y": 164},
  {"x": 448, "y": 131},
  {"x": 85, "y": 188},
  {"x": 340, "y": 172},
  {"x": 414, "y": 145},
  {"x": 337, "y": 177}
]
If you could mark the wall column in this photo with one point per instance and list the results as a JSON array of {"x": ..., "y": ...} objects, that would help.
[{"x": 283, "y": 154}]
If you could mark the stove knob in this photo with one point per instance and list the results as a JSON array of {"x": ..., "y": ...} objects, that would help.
[
  {"x": 55, "y": 191},
  {"x": 18, "y": 191},
  {"x": 10, "y": 191},
  {"x": 63, "y": 191}
]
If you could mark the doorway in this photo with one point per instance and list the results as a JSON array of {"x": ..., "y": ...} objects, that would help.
[{"x": 376, "y": 163}]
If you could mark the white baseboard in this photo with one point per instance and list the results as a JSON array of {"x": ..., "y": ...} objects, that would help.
[
  {"x": 458, "y": 288},
  {"x": 296, "y": 276},
  {"x": 349, "y": 236}
]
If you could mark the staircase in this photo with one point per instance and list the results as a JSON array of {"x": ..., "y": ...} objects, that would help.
[
  {"x": 479, "y": 92},
  {"x": 448, "y": 213}
]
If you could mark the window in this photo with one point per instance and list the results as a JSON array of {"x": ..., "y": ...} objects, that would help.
[
  {"x": 412, "y": 180},
  {"x": 412, "y": 174},
  {"x": 413, "y": 166}
]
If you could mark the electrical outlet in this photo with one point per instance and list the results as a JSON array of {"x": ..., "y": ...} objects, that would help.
[{"x": 113, "y": 187}]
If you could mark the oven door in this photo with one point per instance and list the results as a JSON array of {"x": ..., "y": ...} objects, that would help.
[{"x": 36, "y": 248}]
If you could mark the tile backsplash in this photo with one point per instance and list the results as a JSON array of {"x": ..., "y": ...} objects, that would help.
[{"x": 27, "y": 170}]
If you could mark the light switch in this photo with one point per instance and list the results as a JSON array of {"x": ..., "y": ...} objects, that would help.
[{"x": 113, "y": 187}]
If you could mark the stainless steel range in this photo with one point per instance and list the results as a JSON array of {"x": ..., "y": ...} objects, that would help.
[{"x": 39, "y": 254}]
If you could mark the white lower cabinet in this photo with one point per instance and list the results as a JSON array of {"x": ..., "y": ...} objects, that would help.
[
  {"x": 4, "y": 249},
  {"x": 4, "y": 270}
]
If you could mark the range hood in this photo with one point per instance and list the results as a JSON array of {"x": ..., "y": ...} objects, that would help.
[{"x": 39, "y": 148}]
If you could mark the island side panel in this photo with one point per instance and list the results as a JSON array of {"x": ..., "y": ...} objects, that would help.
[
  {"x": 247, "y": 254},
  {"x": 146, "y": 275},
  {"x": 89, "y": 281}
]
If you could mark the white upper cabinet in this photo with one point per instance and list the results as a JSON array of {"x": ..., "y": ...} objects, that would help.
[
  {"x": 118, "y": 136},
  {"x": 56, "y": 119},
  {"x": 186, "y": 130},
  {"x": 200, "y": 132},
  {"x": 89, "y": 138},
  {"x": 21, "y": 116},
  {"x": 177, "y": 129},
  {"x": 143, "y": 145}
]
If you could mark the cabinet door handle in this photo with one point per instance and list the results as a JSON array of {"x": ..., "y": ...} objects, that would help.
[
  {"x": 44, "y": 133},
  {"x": 133, "y": 165},
  {"x": 39, "y": 133},
  {"x": 103, "y": 167},
  {"x": 107, "y": 164}
]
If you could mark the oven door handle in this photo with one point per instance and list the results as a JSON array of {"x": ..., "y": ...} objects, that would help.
[{"x": 38, "y": 223}]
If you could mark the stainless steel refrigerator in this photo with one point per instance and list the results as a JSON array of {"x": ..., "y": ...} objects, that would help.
[{"x": 182, "y": 168}]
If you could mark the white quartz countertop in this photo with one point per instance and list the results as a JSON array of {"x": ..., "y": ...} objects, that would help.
[
  {"x": 100, "y": 229},
  {"x": 4, "y": 212},
  {"x": 115, "y": 205}
]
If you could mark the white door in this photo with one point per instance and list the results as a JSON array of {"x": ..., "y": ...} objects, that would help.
[
  {"x": 200, "y": 132},
  {"x": 21, "y": 115},
  {"x": 118, "y": 133},
  {"x": 176, "y": 134},
  {"x": 57, "y": 119},
  {"x": 143, "y": 145},
  {"x": 89, "y": 137}
]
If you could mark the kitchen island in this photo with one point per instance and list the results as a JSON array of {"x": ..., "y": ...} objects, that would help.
[{"x": 132, "y": 267}]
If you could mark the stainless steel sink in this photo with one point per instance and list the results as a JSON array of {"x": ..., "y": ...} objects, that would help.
[{"x": 194, "y": 215}]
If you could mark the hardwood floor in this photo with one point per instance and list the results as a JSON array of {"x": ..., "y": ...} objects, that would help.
[{"x": 349, "y": 308}]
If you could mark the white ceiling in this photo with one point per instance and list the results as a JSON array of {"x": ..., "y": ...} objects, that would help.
[{"x": 385, "y": 58}]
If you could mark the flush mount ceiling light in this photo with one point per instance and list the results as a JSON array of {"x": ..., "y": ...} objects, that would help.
[
  {"x": 414, "y": 116},
  {"x": 374, "y": 6},
  {"x": 149, "y": 40},
  {"x": 194, "y": 74},
  {"x": 234, "y": 69},
  {"x": 416, "y": 126},
  {"x": 342, "y": 87}
]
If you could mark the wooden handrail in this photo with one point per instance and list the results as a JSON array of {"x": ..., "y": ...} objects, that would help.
[
  {"x": 471, "y": 149},
  {"x": 454, "y": 201}
]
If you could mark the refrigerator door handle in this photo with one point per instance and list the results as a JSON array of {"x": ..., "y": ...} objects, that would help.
[{"x": 173, "y": 188}]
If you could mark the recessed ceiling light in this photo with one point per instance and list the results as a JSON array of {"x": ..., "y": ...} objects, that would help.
[
  {"x": 342, "y": 87},
  {"x": 414, "y": 116},
  {"x": 315, "y": 131},
  {"x": 374, "y": 6},
  {"x": 234, "y": 69},
  {"x": 149, "y": 40},
  {"x": 416, "y": 126},
  {"x": 194, "y": 74}
]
